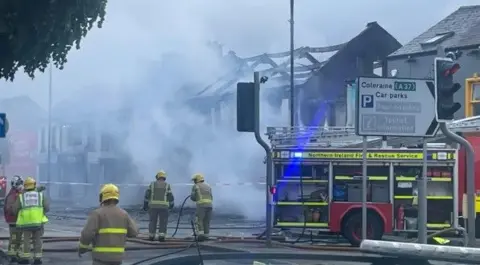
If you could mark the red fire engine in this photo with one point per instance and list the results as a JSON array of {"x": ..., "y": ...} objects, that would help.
[{"x": 318, "y": 183}]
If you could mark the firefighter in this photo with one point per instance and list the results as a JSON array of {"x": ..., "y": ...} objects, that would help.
[
  {"x": 30, "y": 208},
  {"x": 16, "y": 187},
  {"x": 158, "y": 201},
  {"x": 107, "y": 229},
  {"x": 202, "y": 195}
]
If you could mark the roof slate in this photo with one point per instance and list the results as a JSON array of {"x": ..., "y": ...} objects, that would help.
[{"x": 464, "y": 23}]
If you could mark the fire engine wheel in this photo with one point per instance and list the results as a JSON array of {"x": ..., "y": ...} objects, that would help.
[{"x": 353, "y": 228}]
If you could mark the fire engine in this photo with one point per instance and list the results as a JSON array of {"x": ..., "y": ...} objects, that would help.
[{"x": 318, "y": 180}]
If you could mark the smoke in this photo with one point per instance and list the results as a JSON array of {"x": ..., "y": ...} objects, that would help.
[
  {"x": 168, "y": 133},
  {"x": 152, "y": 57},
  {"x": 155, "y": 78}
]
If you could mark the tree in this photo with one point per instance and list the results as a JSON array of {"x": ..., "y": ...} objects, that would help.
[{"x": 33, "y": 32}]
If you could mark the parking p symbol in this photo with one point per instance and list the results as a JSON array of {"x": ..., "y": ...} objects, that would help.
[{"x": 367, "y": 101}]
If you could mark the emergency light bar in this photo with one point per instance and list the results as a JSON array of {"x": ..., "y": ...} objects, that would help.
[
  {"x": 422, "y": 251},
  {"x": 297, "y": 155}
]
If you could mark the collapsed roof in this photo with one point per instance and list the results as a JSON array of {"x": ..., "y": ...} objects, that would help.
[{"x": 308, "y": 61}]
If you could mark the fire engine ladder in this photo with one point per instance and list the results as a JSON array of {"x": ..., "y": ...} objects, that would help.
[{"x": 345, "y": 136}]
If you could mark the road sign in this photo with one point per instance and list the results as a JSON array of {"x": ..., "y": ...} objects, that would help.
[
  {"x": 395, "y": 107},
  {"x": 4, "y": 125}
]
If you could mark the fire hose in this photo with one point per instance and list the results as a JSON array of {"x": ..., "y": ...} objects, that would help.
[{"x": 179, "y": 243}]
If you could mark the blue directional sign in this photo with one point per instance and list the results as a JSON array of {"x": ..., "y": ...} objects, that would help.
[
  {"x": 3, "y": 125},
  {"x": 367, "y": 101}
]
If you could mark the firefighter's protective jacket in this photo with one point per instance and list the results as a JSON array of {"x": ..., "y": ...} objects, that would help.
[
  {"x": 30, "y": 213},
  {"x": 106, "y": 233},
  {"x": 10, "y": 199},
  {"x": 202, "y": 195},
  {"x": 159, "y": 194}
]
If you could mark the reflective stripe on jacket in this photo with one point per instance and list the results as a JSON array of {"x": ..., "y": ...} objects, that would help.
[
  {"x": 106, "y": 231},
  {"x": 202, "y": 194},
  {"x": 441, "y": 241},
  {"x": 159, "y": 194},
  {"x": 31, "y": 213}
]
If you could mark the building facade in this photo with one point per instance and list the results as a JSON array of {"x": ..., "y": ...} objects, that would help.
[{"x": 458, "y": 33}]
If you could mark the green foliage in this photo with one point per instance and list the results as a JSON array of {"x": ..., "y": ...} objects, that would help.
[{"x": 34, "y": 31}]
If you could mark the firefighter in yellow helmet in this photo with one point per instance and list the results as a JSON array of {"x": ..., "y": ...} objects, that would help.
[
  {"x": 158, "y": 200},
  {"x": 202, "y": 195},
  {"x": 107, "y": 229},
  {"x": 30, "y": 208}
]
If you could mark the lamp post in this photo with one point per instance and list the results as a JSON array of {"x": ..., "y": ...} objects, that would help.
[
  {"x": 49, "y": 130},
  {"x": 292, "y": 61}
]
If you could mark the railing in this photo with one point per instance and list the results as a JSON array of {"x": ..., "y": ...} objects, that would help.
[{"x": 344, "y": 136}]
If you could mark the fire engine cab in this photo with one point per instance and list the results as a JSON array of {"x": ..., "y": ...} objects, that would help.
[{"x": 318, "y": 182}]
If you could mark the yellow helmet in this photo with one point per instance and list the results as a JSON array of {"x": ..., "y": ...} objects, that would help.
[
  {"x": 29, "y": 183},
  {"x": 108, "y": 192},
  {"x": 161, "y": 174},
  {"x": 198, "y": 177}
]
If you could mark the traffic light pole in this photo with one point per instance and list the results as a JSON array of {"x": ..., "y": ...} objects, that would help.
[
  {"x": 470, "y": 156},
  {"x": 269, "y": 177},
  {"x": 422, "y": 199}
]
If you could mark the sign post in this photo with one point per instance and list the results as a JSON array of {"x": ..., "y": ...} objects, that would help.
[
  {"x": 400, "y": 108},
  {"x": 4, "y": 125}
]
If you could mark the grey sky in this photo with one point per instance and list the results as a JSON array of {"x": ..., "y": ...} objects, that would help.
[{"x": 137, "y": 31}]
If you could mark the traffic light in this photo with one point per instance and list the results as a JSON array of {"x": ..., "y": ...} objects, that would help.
[
  {"x": 445, "y": 89},
  {"x": 245, "y": 107}
]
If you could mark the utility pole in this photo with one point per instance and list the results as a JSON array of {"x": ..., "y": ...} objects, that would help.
[
  {"x": 49, "y": 131},
  {"x": 292, "y": 61}
]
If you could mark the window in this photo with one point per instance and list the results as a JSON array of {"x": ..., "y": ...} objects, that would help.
[
  {"x": 476, "y": 92},
  {"x": 438, "y": 38},
  {"x": 53, "y": 140},
  {"x": 42, "y": 140},
  {"x": 106, "y": 143},
  {"x": 74, "y": 137}
]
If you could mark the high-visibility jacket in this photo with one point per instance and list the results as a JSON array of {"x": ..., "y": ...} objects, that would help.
[
  {"x": 202, "y": 195},
  {"x": 106, "y": 232},
  {"x": 31, "y": 210},
  {"x": 159, "y": 194}
]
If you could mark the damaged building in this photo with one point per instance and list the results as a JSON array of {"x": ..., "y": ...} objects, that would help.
[{"x": 321, "y": 77}]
